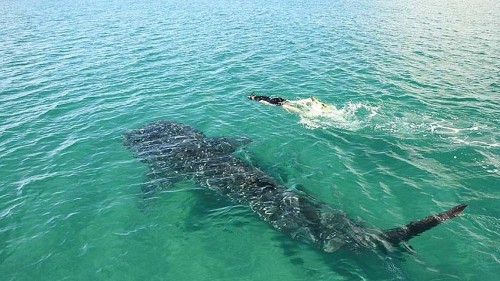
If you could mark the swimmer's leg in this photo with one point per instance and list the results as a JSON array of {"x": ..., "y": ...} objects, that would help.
[
  {"x": 317, "y": 101},
  {"x": 291, "y": 107}
]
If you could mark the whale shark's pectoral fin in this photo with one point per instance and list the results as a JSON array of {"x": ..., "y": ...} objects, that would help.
[
  {"x": 414, "y": 228},
  {"x": 158, "y": 181}
]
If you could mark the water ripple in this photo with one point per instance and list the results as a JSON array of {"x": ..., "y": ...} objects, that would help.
[{"x": 413, "y": 128}]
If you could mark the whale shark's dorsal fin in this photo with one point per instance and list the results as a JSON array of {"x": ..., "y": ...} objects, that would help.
[{"x": 414, "y": 228}]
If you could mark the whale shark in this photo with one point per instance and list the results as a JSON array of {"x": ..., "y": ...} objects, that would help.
[{"x": 175, "y": 152}]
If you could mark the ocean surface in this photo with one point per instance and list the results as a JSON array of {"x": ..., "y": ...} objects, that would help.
[{"x": 413, "y": 128}]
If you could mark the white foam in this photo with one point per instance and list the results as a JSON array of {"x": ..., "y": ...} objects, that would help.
[
  {"x": 355, "y": 116},
  {"x": 352, "y": 116}
]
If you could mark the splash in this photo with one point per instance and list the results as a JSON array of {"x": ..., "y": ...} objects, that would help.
[
  {"x": 352, "y": 116},
  {"x": 424, "y": 125},
  {"x": 355, "y": 116}
]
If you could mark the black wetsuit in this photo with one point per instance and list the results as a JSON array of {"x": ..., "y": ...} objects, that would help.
[{"x": 274, "y": 101}]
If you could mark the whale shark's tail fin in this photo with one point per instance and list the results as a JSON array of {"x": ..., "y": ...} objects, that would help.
[{"x": 414, "y": 228}]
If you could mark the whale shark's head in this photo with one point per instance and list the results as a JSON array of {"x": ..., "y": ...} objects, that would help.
[
  {"x": 164, "y": 140},
  {"x": 162, "y": 132},
  {"x": 171, "y": 142}
]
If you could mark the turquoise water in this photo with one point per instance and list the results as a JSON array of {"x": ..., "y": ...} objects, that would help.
[{"x": 414, "y": 130}]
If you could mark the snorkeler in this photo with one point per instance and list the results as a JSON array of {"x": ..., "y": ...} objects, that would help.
[
  {"x": 299, "y": 106},
  {"x": 268, "y": 100}
]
